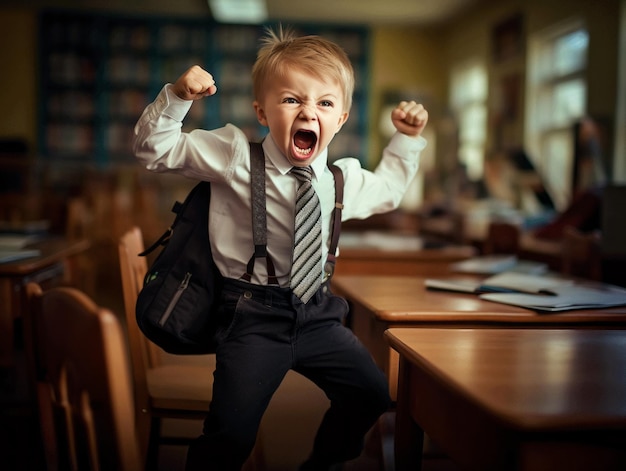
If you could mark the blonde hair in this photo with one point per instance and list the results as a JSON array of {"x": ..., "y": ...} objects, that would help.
[{"x": 315, "y": 55}]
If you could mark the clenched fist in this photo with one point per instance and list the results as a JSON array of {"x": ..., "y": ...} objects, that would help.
[
  {"x": 194, "y": 84},
  {"x": 409, "y": 118}
]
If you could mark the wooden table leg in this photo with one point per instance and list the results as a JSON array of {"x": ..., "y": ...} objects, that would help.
[
  {"x": 409, "y": 439},
  {"x": 6, "y": 323}
]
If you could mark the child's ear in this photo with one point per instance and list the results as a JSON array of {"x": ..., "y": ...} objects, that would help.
[
  {"x": 342, "y": 120},
  {"x": 260, "y": 114}
]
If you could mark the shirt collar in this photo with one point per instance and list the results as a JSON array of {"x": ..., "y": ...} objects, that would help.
[{"x": 282, "y": 164}]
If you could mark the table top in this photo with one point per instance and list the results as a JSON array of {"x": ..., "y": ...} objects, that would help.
[
  {"x": 548, "y": 379},
  {"x": 53, "y": 250},
  {"x": 405, "y": 299}
]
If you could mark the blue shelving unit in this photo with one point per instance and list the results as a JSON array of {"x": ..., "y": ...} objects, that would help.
[{"x": 99, "y": 71}]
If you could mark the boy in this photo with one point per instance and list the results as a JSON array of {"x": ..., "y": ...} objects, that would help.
[{"x": 303, "y": 91}]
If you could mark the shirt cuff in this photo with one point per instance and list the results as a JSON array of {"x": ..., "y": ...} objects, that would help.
[
  {"x": 169, "y": 104},
  {"x": 401, "y": 144}
]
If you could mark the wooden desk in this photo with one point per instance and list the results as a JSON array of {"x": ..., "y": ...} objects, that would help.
[
  {"x": 512, "y": 399},
  {"x": 384, "y": 253},
  {"x": 381, "y": 302},
  {"x": 49, "y": 266}
]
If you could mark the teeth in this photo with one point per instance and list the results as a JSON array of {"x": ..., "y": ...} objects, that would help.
[{"x": 304, "y": 151}]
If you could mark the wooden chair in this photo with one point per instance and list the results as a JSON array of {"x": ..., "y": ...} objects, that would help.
[
  {"x": 80, "y": 367},
  {"x": 502, "y": 238},
  {"x": 581, "y": 254},
  {"x": 166, "y": 386},
  {"x": 161, "y": 390}
]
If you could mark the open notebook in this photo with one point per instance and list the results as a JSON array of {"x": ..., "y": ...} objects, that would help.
[{"x": 540, "y": 293}]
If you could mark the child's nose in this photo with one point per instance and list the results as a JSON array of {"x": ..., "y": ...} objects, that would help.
[{"x": 307, "y": 112}]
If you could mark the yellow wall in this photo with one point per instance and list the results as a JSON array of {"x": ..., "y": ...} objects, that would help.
[
  {"x": 406, "y": 61},
  {"x": 18, "y": 100}
]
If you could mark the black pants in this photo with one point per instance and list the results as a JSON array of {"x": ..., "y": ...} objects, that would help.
[{"x": 264, "y": 332}]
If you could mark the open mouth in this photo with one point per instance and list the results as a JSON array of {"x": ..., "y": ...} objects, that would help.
[{"x": 304, "y": 142}]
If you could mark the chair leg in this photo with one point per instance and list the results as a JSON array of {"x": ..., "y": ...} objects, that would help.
[{"x": 152, "y": 458}]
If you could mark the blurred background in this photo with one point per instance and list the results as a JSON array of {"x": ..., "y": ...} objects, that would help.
[
  {"x": 527, "y": 103},
  {"x": 526, "y": 99}
]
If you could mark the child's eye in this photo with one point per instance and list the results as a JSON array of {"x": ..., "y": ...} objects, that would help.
[
  {"x": 290, "y": 100},
  {"x": 326, "y": 103}
]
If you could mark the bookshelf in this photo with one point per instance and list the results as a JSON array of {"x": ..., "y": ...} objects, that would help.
[{"x": 99, "y": 71}]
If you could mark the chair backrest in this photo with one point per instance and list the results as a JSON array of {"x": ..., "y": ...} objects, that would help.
[
  {"x": 502, "y": 238},
  {"x": 581, "y": 254},
  {"x": 83, "y": 381},
  {"x": 133, "y": 268}
]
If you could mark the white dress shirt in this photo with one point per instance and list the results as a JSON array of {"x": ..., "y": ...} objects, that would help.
[{"x": 221, "y": 156}]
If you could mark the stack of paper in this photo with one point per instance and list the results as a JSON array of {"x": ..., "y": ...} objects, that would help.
[
  {"x": 12, "y": 247},
  {"x": 541, "y": 293},
  {"x": 491, "y": 264},
  {"x": 380, "y": 240},
  {"x": 507, "y": 282},
  {"x": 13, "y": 255},
  {"x": 565, "y": 298},
  {"x": 16, "y": 241}
]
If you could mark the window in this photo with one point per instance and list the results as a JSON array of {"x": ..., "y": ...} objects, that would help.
[
  {"x": 468, "y": 99},
  {"x": 557, "y": 97}
]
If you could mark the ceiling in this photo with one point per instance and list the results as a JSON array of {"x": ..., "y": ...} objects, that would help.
[
  {"x": 369, "y": 12},
  {"x": 418, "y": 12}
]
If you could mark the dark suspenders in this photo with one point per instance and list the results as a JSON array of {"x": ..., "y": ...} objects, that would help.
[{"x": 259, "y": 217}]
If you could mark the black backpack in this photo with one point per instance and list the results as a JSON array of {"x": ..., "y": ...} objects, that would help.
[{"x": 175, "y": 307}]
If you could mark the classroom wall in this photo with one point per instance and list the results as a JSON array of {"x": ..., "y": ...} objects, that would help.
[
  {"x": 18, "y": 85},
  {"x": 405, "y": 65}
]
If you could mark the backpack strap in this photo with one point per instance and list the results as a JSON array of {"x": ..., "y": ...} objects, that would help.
[
  {"x": 259, "y": 215},
  {"x": 329, "y": 266},
  {"x": 178, "y": 208}
]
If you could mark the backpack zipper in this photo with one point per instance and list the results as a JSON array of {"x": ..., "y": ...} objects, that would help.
[{"x": 172, "y": 304}]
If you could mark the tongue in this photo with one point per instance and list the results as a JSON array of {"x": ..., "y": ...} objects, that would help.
[{"x": 303, "y": 140}]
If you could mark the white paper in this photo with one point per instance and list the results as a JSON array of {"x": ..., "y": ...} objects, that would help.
[{"x": 574, "y": 296}]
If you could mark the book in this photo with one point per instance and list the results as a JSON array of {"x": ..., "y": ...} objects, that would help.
[{"x": 507, "y": 282}]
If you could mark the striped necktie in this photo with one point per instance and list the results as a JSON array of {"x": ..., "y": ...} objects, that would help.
[{"x": 307, "y": 253}]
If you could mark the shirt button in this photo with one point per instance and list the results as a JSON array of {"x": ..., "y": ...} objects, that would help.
[{"x": 247, "y": 294}]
